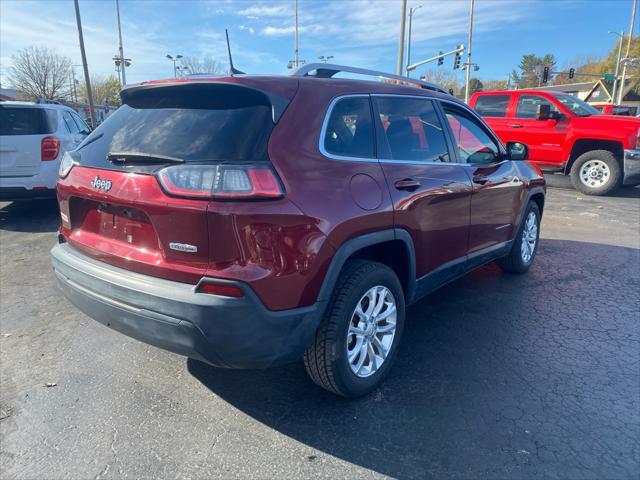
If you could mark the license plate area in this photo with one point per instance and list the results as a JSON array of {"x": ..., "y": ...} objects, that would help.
[{"x": 114, "y": 222}]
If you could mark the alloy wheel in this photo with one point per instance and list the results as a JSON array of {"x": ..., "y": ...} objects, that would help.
[
  {"x": 372, "y": 328},
  {"x": 529, "y": 237}
]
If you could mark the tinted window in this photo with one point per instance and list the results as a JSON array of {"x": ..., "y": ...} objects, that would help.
[
  {"x": 350, "y": 129},
  {"x": 412, "y": 130},
  {"x": 223, "y": 134},
  {"x": 528, "y": 106},
  {"x": 70, "y": 124},
  {"x": 492, "y": 105},
  {"x": 82, "y": 127},
  {"x": 473, "y": 142},
  {"x": 27, "y": 121}
]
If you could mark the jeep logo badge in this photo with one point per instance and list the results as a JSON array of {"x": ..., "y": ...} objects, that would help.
[{"x": 100, "y": 184}]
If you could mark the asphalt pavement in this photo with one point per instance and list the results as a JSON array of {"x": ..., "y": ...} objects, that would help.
[{"x": 499, "y": 376}]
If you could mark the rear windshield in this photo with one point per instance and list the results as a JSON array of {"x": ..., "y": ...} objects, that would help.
[
  {"x": 195, "y": 123},
  {"x": 239, "y": 134},
  {"x": 27, "y": 121}
]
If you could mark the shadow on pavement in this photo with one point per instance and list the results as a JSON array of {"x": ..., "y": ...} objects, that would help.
[
  {"x": 36, "y": 216},
  {"x": 494, "y": 379}
]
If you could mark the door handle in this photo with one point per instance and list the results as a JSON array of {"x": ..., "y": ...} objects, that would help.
[
  {"x": 408, "y": 184},
  {"x": 516, "y": 125},
  {"x": 480, "y": 179}
]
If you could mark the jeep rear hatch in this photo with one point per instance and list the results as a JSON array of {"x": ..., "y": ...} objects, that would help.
[{"x": 138, "y": 194}]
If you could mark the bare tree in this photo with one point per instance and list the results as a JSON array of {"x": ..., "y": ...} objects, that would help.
[
  {"x": 39, "y": 72},
  {"x": 206, "y": 64},
  {"x": 103, "y": 88},
  {"x": 442, "y": 77}
]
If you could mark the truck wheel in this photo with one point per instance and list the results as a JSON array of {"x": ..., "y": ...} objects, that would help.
[
  {"x": 357, "y": 340},
  {"x": 525, "y": 244},
  {"x": 596, "y": 173}
]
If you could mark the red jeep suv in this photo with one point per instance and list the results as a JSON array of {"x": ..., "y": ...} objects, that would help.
[{"x": 249, "y": 221}]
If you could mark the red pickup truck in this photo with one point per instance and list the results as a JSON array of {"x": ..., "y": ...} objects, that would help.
[{"x": 565, "y": 134}]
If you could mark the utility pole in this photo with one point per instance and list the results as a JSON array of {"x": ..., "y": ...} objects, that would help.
[
  {"x": 615, "y": 79},
  {"x": 92, "y": 113},
  {"x": 403, "y": 16},
  {"x": 468, "y": 72},
  {"x": 411, "y": 12},
  {"x": 295, "y": 49},
  {"x": 122, "y": 62},
  {"x": 624, "y": 69}
]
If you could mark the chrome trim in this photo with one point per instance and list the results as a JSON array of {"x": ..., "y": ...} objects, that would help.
[
  {"x": 333, "y": 156},
  {"x": 328, "y": 70},
  {"x": 325, "y": 123}
]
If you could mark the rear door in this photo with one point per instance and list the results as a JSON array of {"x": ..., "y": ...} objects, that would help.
[
  {"x": 431, "y": 193},
  {"x": 22, "y": 128},
  {"x": 545, "y": 138},
  {"x": 498, "y": 191},
  {"x": 496, "y": 109}
]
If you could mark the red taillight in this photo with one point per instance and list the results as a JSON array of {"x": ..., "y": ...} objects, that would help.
[
  {"x": 49, "y": 148},
  {"x": 223, "y": 289},
  {"x": 238, "y": 182}
]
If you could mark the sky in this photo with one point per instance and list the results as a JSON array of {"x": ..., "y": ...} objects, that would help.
[{"x": 356, "y": 32}]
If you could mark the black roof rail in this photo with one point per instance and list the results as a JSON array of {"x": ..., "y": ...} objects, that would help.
[{"x": 328, "y": 70}]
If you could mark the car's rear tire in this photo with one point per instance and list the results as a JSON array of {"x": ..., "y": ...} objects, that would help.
[
  {"x": 525, "y": 244},
  {"x": 596, "y": 172},
  {"x": 357, "y": 340}
]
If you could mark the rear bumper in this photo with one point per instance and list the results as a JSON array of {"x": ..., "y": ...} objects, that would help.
[
  {"x": 222, "y": 331},
  {"x": 631, "y": 167},
  {"x": 32, "y": 186}
]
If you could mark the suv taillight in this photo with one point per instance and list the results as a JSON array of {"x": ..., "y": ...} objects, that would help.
[
  {"x": 49, "y": 148},
  {"x": 236, "y": 182}
]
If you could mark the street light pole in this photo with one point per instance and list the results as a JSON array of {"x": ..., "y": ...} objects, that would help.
[
  {"x": 174, "y": 59},
  {"x": 615, "y": 79},
  {"x": 468, "y": 72},
  {"x": 122, "y": 63},
  {"x": 295, "y": 48},
  {"x": 403, "y": 16},
  {"x": 411, "y": 12},
  {"x": 624, "y": 68},
  {"x": 85, "y": 67}
]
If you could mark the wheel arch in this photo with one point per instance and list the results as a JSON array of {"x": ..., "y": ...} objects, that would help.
[
  {"x": 392, "y": 247},
  {"x": 585, "y": 145}
]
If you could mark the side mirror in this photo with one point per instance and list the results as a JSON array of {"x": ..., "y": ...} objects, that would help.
[
  {"x": 517, "y": 151},
  {"x": 543, "y": 112}
]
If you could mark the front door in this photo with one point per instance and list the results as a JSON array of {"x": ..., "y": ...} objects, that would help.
[
  {"x": 430, "y": 192},
  {"x": 497, "y": 189},
  {"x": 545, "y": 138}
]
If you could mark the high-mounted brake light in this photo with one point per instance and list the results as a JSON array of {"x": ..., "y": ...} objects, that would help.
[
  {"x": 49, "y": 148},
  {"x": 238, "y": 182}
]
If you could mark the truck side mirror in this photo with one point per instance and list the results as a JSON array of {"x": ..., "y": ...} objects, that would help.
[{"x": 543, "y": 112}]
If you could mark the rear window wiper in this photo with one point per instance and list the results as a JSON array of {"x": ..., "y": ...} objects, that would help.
[{"x": 138, "y": 157}]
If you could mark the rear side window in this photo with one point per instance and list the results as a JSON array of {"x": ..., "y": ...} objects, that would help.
[
  {"x": 27, "y": 121},
  {"x": 70, "y": 124},
  {"x": 349, "y": 130},
  {"x": 412, "y": 130},
  {"x": 492, "y": 105}
]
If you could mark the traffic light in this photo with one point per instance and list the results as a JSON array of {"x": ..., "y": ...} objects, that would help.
[
  {"x": 545, "y": 75},
  {"x": 440, "y": 59},
  {"x": 456, "y": 61},
  {"x": 572, "y": 72}
]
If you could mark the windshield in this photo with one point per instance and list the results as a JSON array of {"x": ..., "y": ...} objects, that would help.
[{"x": 577, "y": 106}]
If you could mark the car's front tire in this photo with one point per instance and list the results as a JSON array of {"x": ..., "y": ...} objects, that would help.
[
  {"x": 597, "y": 172},
  {"x": 525, "y": 244},
  {"x": 357, "y": 340}
]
